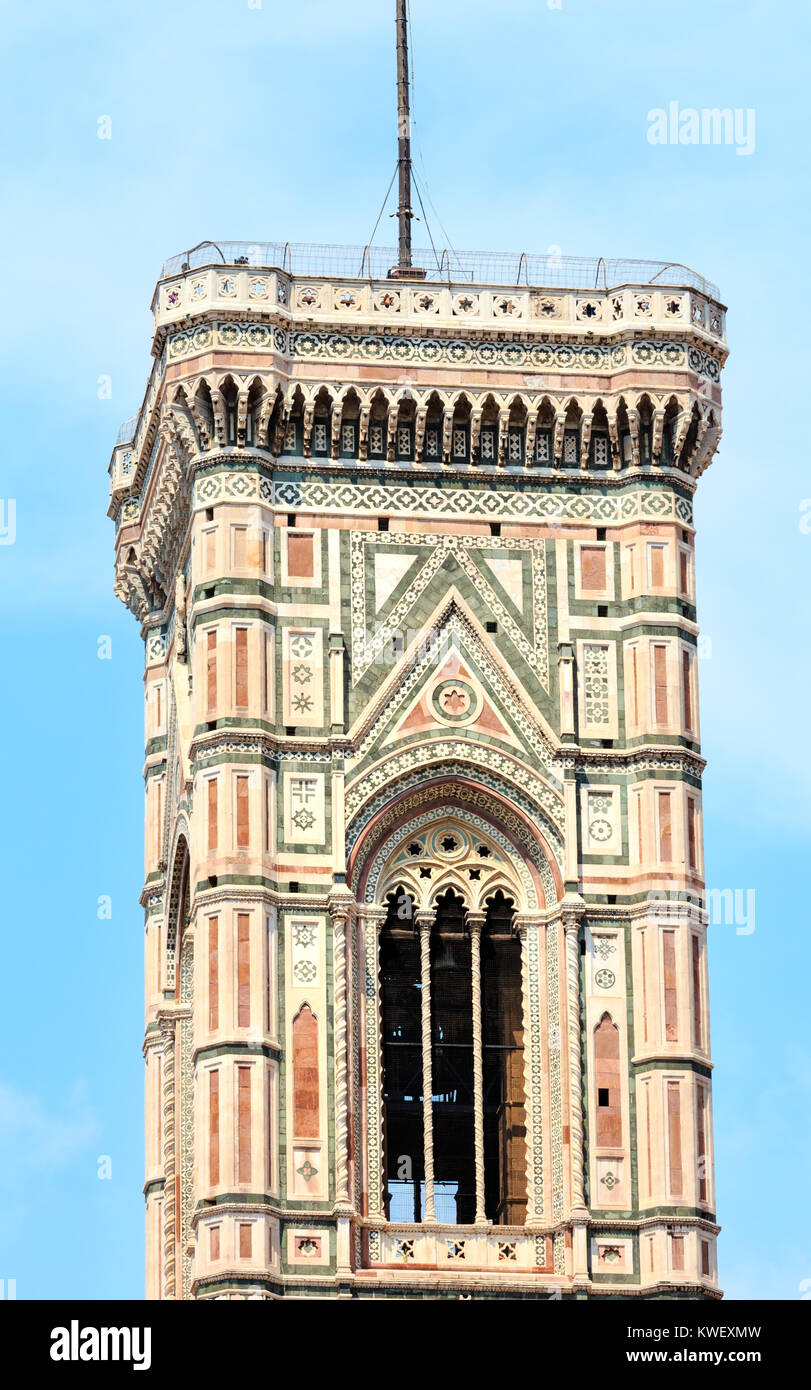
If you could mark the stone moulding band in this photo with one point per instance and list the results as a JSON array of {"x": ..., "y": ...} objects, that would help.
[
  {"x": 460, "y": 353},
  {"x": 540, "y": 503}
]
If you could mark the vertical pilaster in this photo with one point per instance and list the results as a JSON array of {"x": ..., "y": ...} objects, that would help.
[{"x": 566, "y": 688}]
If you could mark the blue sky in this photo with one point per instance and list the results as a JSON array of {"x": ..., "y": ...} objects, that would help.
[{"x": 268, "y": 122}]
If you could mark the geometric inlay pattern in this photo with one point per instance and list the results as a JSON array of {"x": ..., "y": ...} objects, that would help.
[{"x": 368, "y": 645}]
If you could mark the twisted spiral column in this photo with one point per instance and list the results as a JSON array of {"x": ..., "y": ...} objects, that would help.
[
  {"x": 169, "y": 1171},
  {"x": 475, "y": 922},
  {"x": 340, "y": 915},
  {"x": 425, "y": 921}
]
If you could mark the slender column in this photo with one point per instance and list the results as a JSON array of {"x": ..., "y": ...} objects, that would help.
[
  {"x": 336, "y": 681},
  {"x": 340, "y": 908},
  {"x": 566, "y": 687},
  {"x": 475, "y": 921},
  {"x": 570, "y": 851},
  {"x": 425, "y": 920}
]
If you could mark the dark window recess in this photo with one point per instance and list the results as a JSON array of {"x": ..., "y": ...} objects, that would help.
[
  {"x": 211, "y": 725},
  {"x": 495, "y": 528},
  {"x": 685, "y": 535},
  {"x": 606, "y": 743},
  {"x": 491, "y": 627},
  {"x": 602, "y": 1096},
  {"x": 612, "y": 898},
  {"x": 212, "y": 880},
  {"x": 291, "y": 518},
  {"x": 294, "y": 885},
  {"x": 290, "y": 731},
  {"x": 453, "y": 1066},
  {"x": 382, "y": 523},
  {"x": 583, "y": 947},
  {"x": 601, "y": 533},
  {"x": 208, "y": 593},
  {"x": 210, "y": 515},
  {"x": 402, "y": 1066},
  {"x": 602, "y": 610},
  {"x": 503, "y": 1061},
  {"x": 667, "y": 445}
]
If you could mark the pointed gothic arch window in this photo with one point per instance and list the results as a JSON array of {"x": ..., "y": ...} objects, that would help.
[
  {"x": 178, "y": 914},
  {"x": 465, "y": 1033}
]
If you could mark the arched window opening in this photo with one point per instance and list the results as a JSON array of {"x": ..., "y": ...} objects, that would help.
[
  {"x": 178, "y": 916},
  {"x": 505, "y": 1200},
  {"x": 463, "y": 1035}
]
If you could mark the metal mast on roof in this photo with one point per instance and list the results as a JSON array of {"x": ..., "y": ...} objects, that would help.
[{"x": 404, "y": 269}]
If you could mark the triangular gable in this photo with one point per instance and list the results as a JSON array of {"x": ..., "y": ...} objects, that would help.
[
  {"x": 452, "y": 697},
  {"x": 452, "y": 642}
]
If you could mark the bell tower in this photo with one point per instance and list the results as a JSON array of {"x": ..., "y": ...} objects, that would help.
[{"x": 413, "y": 557}]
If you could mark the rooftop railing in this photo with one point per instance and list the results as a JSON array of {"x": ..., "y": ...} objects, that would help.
[{"x": 551, "y": 271}]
